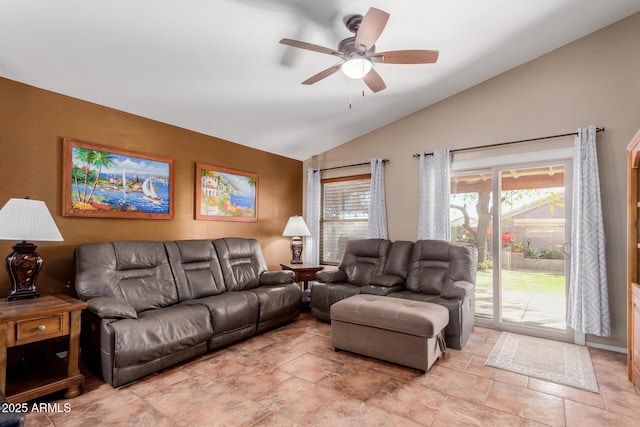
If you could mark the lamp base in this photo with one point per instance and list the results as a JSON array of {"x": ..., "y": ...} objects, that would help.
[
  {"x": 23, "y": 266},
  {"x": 23, "y": 295},
  {"x": 296, "y": 250}
]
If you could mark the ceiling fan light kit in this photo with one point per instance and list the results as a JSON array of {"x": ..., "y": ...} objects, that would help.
[
  {"x": 357, "y": 54},
  {"x": 357, "y": 68}
]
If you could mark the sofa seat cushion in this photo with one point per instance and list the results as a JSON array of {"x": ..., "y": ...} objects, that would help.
[
  {"x": 276, "y": 301},
  {"x": 159, "y": 333},
  {"x": 230, "y": 311}
]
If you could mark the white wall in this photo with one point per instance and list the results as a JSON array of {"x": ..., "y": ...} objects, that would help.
[{"x": 595, "y": 80}]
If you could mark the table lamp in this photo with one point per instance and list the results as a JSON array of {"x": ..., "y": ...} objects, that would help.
[
  {"x": 26, "y": 219},
  {"x": 296, "y": 228}
]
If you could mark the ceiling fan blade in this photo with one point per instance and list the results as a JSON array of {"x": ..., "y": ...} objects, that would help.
[
  {"x": 406, "y": 57},
  {"x": 370, "y": 28},
  {"x": 322, "y": 74},
  {"x": 374, "y": 81},
  {"x": 311, "y": 47}
]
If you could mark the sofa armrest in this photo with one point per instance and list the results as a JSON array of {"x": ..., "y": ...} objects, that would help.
[
  {"x": 458, "y": 289},
  {"x": 331, "y": 276},
  {"x": 270, "y": 278},
  {"x": 111, "y": 308}
]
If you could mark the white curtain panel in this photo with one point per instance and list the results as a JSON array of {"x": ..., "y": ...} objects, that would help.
[
  {"x": 435, "y": 189},
  {"x": 377, "y": 204},
  {"x": 588, "y": 308},
  {"x": 312, "y": 243}
]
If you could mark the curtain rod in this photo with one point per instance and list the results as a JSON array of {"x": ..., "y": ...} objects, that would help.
[
  {"x": 513, "y": 142},
  {"x": 349, "y": 166}
]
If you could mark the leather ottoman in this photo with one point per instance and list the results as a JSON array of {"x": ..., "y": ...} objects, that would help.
[{"x": 405, "y": 332}]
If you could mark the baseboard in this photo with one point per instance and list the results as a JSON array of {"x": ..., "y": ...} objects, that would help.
[{"x": 607, "y": 347}]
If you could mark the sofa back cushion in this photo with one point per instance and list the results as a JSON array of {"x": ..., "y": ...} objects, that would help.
[
  {"x": 241, "y": 261},
  {"x": 399, "y": 259},
  {"x": 135, "y": 272},
  {"x": 364, "y": 259},
  {"x": 463, "y": 262},
  {"x": 196, "y": 268},
  {"x": 435, "y": 263}
]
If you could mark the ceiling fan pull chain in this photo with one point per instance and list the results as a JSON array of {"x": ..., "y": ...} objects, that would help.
[{"x": 349, "y": 94}]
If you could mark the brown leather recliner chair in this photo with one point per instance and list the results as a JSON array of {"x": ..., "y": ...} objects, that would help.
[{"x": 435, "y": 271}]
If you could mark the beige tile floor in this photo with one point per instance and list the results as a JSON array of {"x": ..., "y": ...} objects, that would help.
[{"x": 291, "y": 376}]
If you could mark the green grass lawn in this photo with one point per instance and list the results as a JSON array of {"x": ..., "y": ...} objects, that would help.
[{"x": 538, "y": 283}]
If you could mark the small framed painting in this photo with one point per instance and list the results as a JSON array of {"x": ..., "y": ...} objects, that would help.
[
  {"x": 225, "y": 194},
  {"x": 107, "y": 182}
]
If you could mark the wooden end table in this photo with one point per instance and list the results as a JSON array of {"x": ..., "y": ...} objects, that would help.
[
  {"x": 303, "y": 273},
  {"x": 33, "y": 320}
]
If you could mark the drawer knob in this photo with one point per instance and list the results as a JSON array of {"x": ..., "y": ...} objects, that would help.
[{"x": 42, "y": 327}]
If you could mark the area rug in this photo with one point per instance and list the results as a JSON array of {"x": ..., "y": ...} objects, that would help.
[{"x": 548, "y": 360}]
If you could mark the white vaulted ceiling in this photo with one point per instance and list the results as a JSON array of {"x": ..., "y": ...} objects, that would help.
[{"x": 216, "y": 67}]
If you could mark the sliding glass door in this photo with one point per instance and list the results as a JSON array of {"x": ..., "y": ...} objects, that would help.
[
  {"x": 517, "y": 217},
  {"x": 472, "y": 221}
]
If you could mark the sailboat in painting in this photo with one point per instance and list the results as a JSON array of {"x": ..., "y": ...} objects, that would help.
[
  {"x": 149, "y": 192},
  {"x": 124, "y": 183}
]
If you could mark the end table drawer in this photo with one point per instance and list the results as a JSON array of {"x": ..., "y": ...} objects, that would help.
[
  {"x": 37, "y": 329},
  {"x": 307, "y": 275}
]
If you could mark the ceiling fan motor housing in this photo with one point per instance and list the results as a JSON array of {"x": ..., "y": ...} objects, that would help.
[{"x": 348, "y": 48}]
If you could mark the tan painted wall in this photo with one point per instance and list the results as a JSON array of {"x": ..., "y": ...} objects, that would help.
[
  {"x": 595, "y": 80},
  {"x": 33, "y": 124}
]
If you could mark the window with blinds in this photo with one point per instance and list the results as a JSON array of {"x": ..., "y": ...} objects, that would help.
[{"x": 345, "y": 215}]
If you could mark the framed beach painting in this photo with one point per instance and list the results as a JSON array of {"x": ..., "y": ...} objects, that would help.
[
  {"x": 225, "y": 194},
  {"x": 101, "y": 181}
]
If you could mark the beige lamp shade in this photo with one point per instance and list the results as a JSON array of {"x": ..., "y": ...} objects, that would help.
[
  {"x": 27, "y": 219},
  {"x": 22, "y": 220},
  {"x": 296, "y": 227}
]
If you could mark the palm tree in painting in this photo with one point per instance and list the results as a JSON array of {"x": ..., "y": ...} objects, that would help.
[
  {"x": 77, "y": 174},
  {"x": 252, "y": 185},
  {"x": 99, "y": 159},
  {"x": 84, "y": 155}
]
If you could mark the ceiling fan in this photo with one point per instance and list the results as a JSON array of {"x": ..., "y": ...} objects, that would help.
[{"x": 358, "y": 54}]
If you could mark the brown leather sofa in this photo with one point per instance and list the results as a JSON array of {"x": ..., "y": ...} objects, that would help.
[
  {"x": 151, "y": 305},
  {"x": 435, "y": 271}
]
